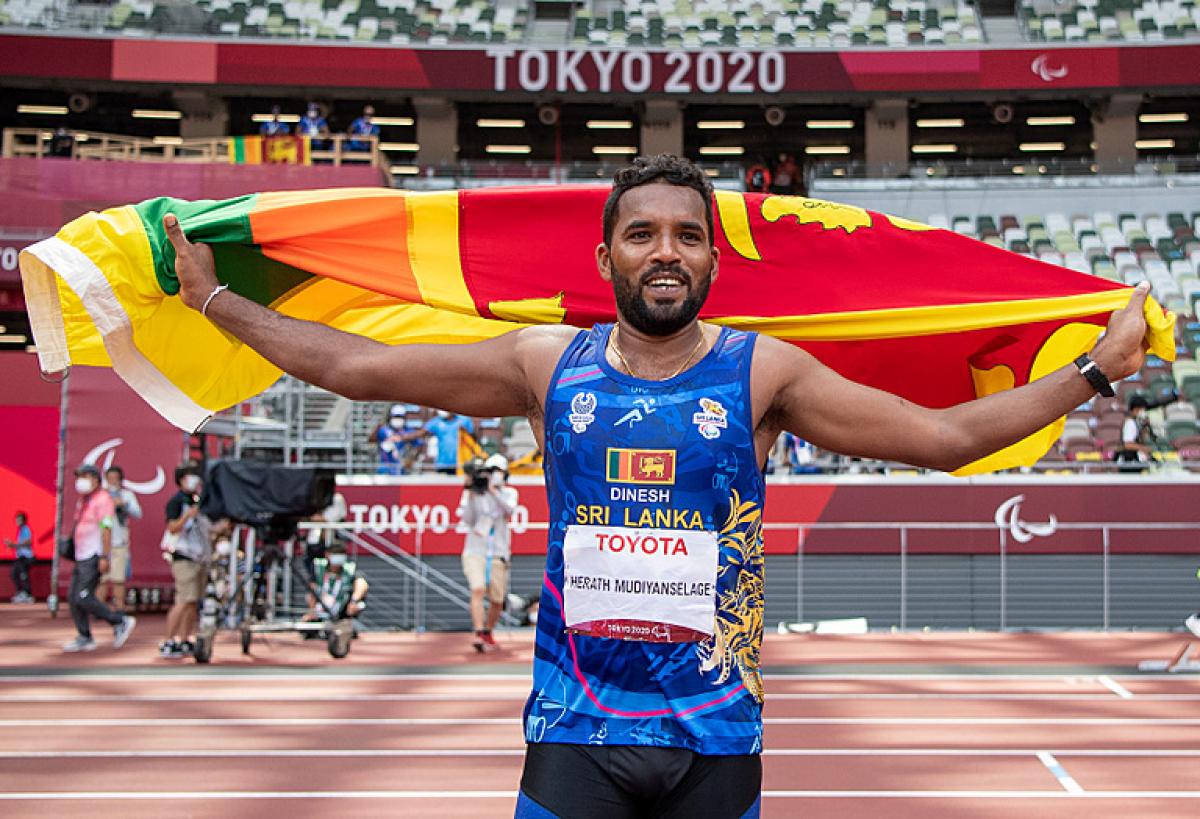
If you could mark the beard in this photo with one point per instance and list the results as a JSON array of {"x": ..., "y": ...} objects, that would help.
[{"x": 658, "y": 319}]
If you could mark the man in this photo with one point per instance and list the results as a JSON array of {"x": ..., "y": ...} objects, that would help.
[
  {"x": 313, "y": 125},
  {"x": 274, "y": 126},
  {"x": 126, "y": 508},
  {"x": 337, "y": 585},
  {"x": 92, "y": 531},
  {"x": 486, "y": 505},
  {"x": 186, "y": 543},
  {"x": 444, "y": 428},
  {"x": 395, "y": 441},
  {"x": 363, "y": 126},
  {"x": 22, "y": 560},
  {"x": 655, "y": 432}
]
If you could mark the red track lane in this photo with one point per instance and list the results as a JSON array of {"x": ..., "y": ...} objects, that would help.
[
  {"x": 1131, "y": 774},
  {"x": 859, "y": 715}
]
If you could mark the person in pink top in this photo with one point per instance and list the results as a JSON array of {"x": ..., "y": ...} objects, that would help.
[{"x": 92, "y": 532}]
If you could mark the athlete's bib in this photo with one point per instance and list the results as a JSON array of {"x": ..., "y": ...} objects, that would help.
[{"x": 656, "y": 585}]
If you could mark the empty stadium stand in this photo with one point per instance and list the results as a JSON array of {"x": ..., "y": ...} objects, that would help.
[
  {"x": 779, "y": 23},
  {"x": 435, "y": 22},
  {"x": 1123, "y": 247},
  {"x": 1109, "y": 20}
]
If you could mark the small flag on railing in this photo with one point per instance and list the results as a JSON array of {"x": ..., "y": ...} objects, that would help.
[{"x": 258, "y": 150}]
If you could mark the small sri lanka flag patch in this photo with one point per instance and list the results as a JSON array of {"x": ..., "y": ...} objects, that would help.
[{"x": 656, "y": 466}]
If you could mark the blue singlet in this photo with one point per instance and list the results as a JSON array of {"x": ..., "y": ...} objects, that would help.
[{"x": 674, "y": 454}]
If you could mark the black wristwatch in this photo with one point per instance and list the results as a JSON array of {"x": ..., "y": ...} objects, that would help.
[{"x": 1095, "y": 376}]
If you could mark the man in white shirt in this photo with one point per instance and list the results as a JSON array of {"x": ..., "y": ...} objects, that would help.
[
  {"x": 126, "y": 508},
  {"x": 486, "y": 505}
]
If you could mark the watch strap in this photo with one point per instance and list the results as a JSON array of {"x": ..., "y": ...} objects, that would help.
[{"x": 1095, "y": 376}]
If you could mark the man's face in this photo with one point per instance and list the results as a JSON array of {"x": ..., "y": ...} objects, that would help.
[
  {"x": 113, "y": 479},
  {"x": 661, "y": 262}
]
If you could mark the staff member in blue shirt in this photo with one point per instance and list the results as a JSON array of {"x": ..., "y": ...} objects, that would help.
[{"x": 24, "y": 559}]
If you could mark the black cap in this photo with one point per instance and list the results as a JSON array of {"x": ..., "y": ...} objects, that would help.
[{"x": 87, "y": 469}]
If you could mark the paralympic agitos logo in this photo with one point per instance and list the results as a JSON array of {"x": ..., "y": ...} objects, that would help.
[{"x": 108, "y": 451}]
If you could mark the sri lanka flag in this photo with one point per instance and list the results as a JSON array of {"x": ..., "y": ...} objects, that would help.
[{"x": 924, "y": 313}]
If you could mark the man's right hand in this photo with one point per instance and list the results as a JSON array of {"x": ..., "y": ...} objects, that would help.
[{"x": 193, "y": 265}]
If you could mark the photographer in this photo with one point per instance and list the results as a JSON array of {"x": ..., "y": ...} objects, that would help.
[
  {"x": 487, "y": 502},
  {"x": 186, "y": 545}
]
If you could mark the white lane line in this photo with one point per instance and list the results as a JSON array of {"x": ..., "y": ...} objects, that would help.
[
  {"x": 415, "y": 721},
  {"x": 1115, "y": 687},
  {"x": 830, "y": 794},
  {"x": 1060, "y": 773},
  {"x": 523, "y": 694},
  {"x": 252, "y": 753}
]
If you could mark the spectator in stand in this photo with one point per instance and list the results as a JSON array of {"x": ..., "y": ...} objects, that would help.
[
  {"x": 62, "y": 143},
  {"x": 274, "y": 126},
  {"x": 487, "y": 503},
  {"x": 363, "y": 126},
  {"x": 187, "y": 546},
  {"x": 92, "y": 535},
  {"x": 786, "y": 173},
  {"x": 444, "y": 428},
  {"x": 22, "y": 560},
  {"x": 395, "y": 443},
  {"x": 314, "y": 126},
  {"x": 127, "y": 508}
]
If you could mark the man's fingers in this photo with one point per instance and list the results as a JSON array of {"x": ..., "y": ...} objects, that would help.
[
  {"x": 1137, "y": 299},
  {"x": 175, "y": 232}
]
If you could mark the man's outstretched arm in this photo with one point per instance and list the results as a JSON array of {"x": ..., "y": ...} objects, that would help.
[
  {"x": 484, "y": 378},
  {"x": 834, "y": 413}
]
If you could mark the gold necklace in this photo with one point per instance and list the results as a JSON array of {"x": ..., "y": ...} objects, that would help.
[{"x": 612, "y": 342}]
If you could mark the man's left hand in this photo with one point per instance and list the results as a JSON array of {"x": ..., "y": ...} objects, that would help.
[
  {"x": 103, "y": 565},
  {"x": 1122, "y": 351}
]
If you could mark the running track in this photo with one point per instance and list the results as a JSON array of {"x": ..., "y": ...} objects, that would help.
[{"x": 941, "y": 725}]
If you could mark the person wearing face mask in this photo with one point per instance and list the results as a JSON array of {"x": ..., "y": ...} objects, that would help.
[
  {"x": 313, "y": 125},
  {"x": 125, "y": 502},
  {"x": 486, "y": 505},
  {"x": 444, "y": 428},
  {"x": 22, "y": 560},
  {"x": 186, "y": 542},
  {"x": 92, "y": 532},
  {"x": 342, "y": 592},
  {"x": 393, "y": 440}
]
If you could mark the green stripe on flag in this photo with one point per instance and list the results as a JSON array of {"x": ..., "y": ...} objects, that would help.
[{"x": 206, "y": 220}]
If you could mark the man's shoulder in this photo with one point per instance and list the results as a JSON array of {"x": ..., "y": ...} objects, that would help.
[{"x": 542, "y": 339}]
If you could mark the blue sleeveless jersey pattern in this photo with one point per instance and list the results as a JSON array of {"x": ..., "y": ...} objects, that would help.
[{"x": 705, "y": 696}]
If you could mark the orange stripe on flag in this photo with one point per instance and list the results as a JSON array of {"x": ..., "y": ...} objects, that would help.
[{"x": 365, "y": 245}]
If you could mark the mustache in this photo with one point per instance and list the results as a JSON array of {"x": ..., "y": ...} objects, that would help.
[{"x": 657, "y": 269}]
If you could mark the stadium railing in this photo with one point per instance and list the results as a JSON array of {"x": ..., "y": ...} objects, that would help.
[
  {"x": 94, "y": 145},
  {"x": 1115, "y": 575}
]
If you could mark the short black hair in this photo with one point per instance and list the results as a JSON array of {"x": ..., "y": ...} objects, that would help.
[
  {"x": 668, "y": 168},
  {"x": 185, "y": 469},
  {"x": 1139, "y": 402},
  {"x": 117, "y": 469}
]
